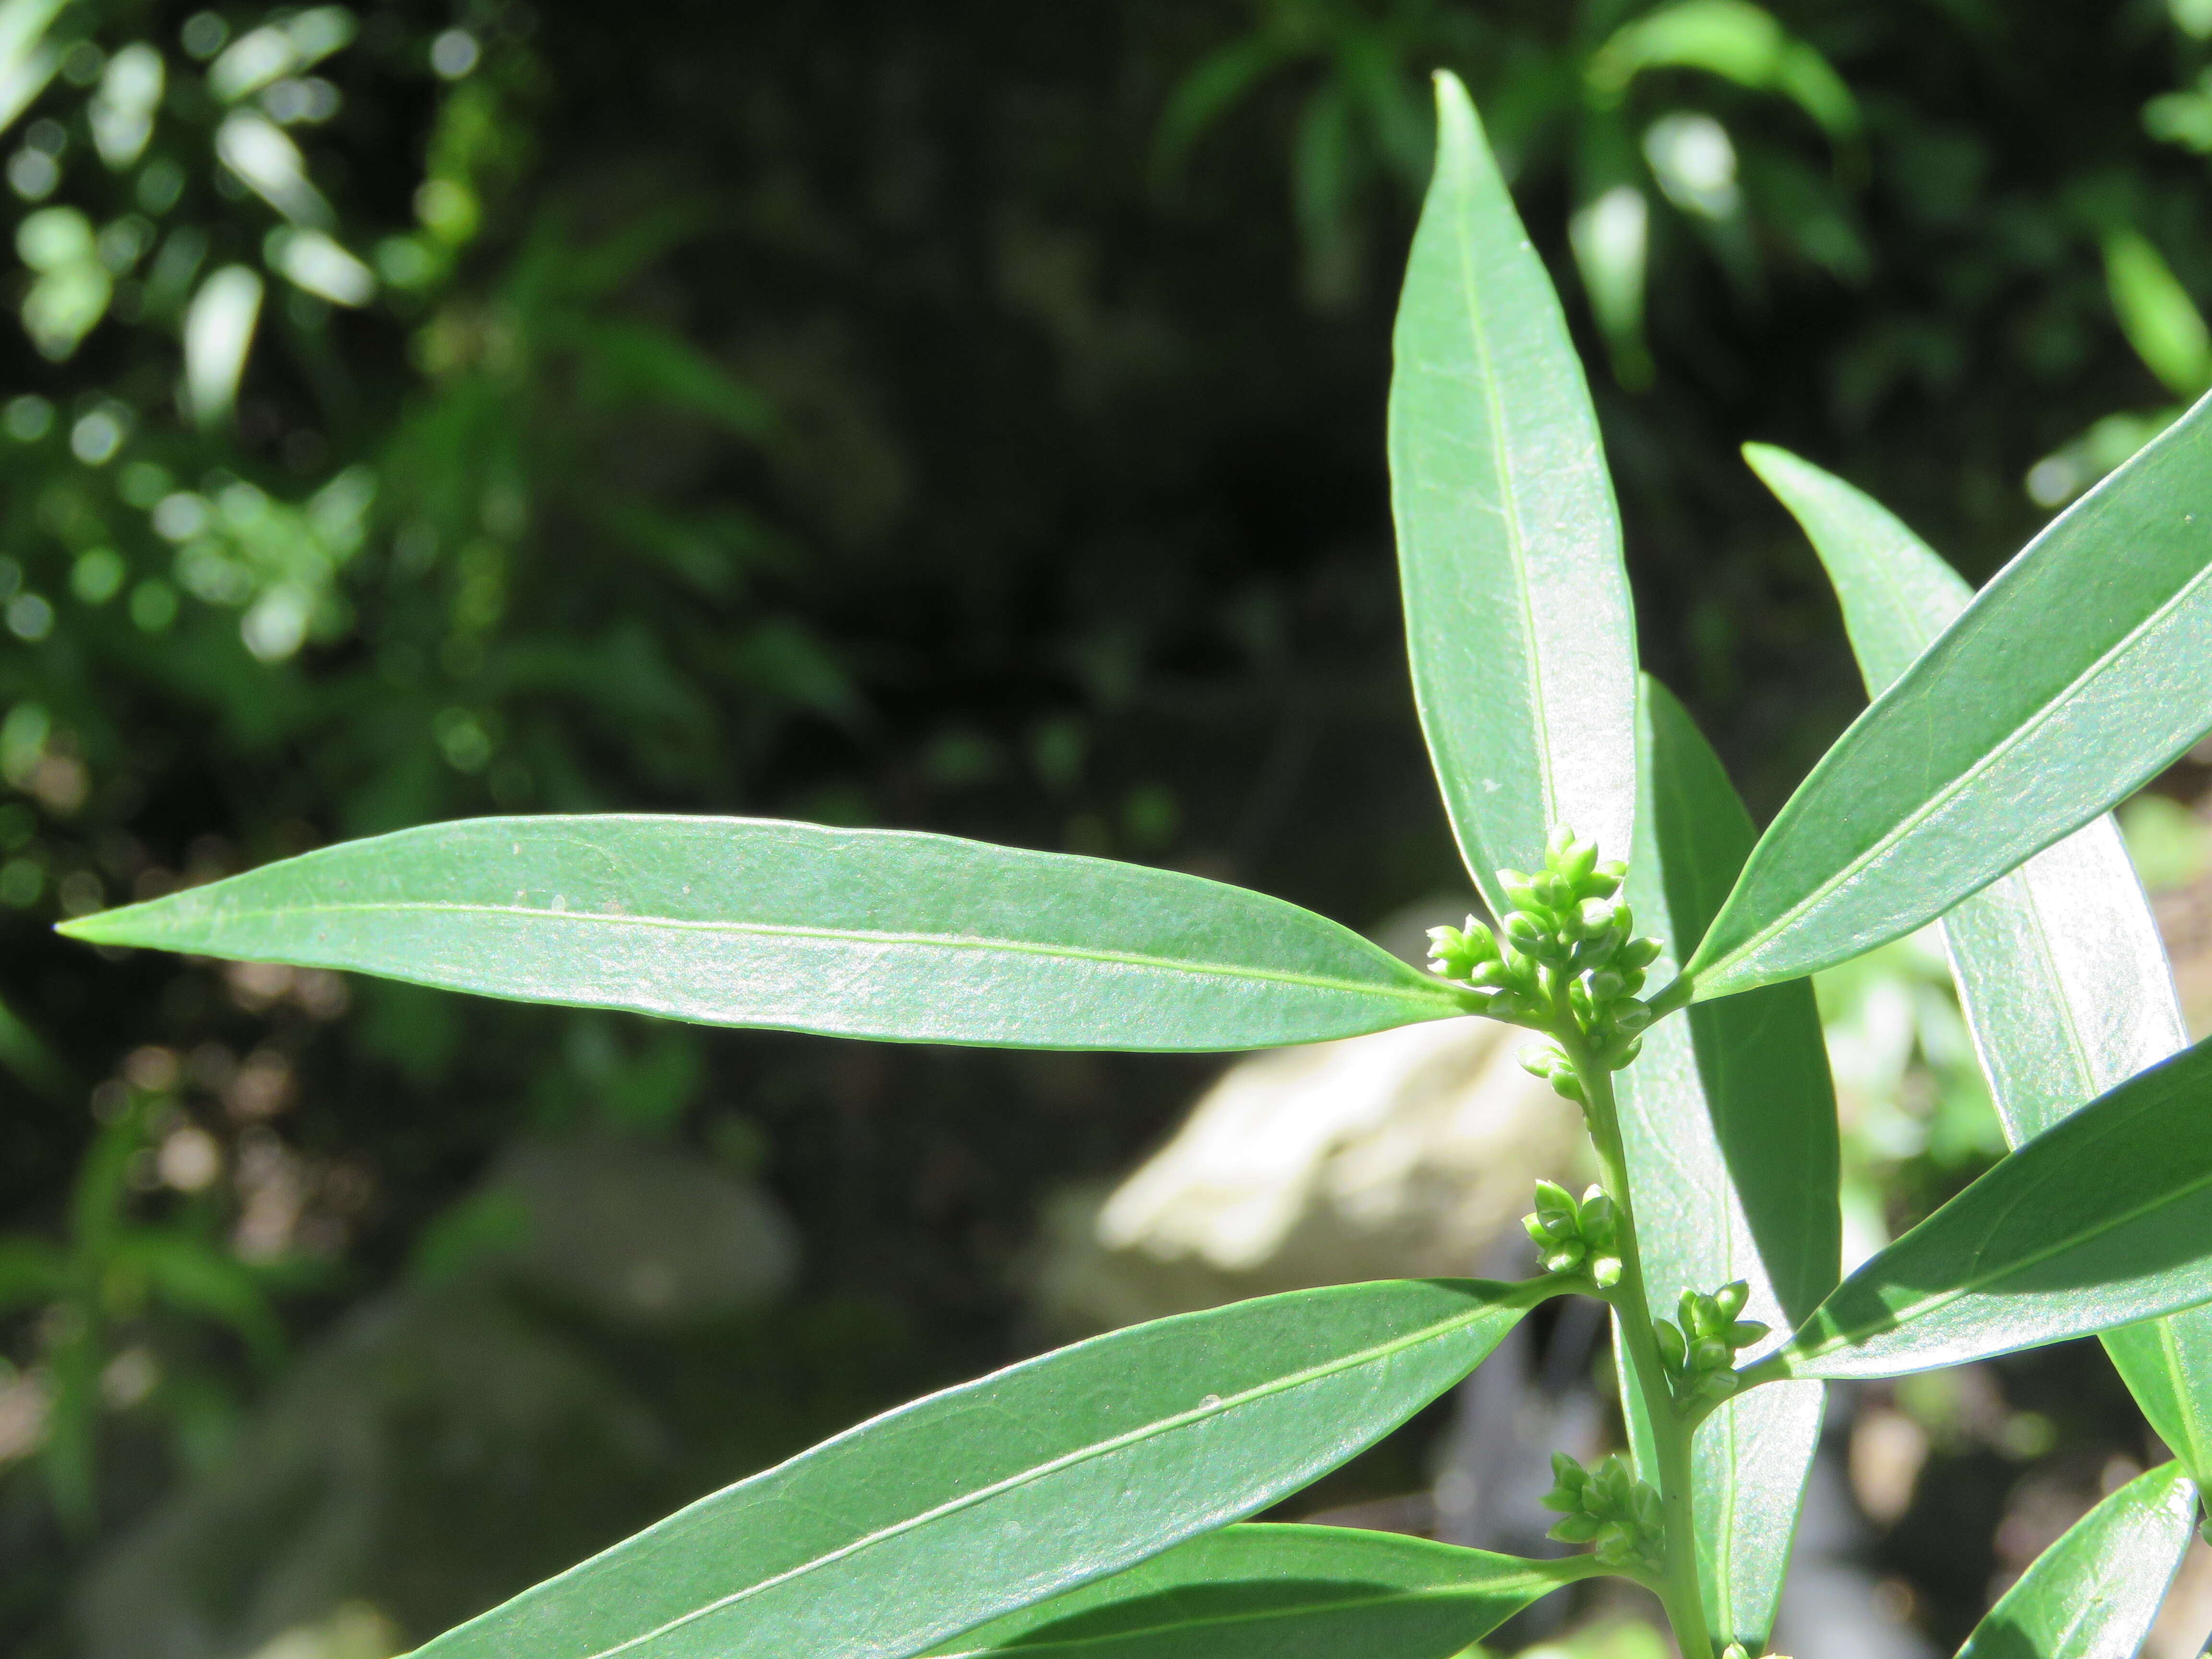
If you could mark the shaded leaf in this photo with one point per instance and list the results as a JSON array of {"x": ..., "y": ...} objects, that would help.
[
  {"x": 1728, "y": 1122},
  {"x": 983, "y": 1499},
  {"x": 2072, "y": 677},
  {"x": 1284, "y": 1592},
  {"x": 857, "y": 933},
  {"x": 1517, "y": 618}
]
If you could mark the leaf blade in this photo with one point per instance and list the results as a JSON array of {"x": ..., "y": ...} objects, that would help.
[
  {"x": 2061, "y": 973},
  {"x": 1287, "y": 1592},
  {"x": 852, "y": 933},
  {"x": 974, "y": 1502},
  {"x": 2104, "y": 1219},
  {"x": 2055, "y": 693},
  {"x": 1518, "y": 624},
  {"x": 2094, "y": 1594},
  {"x": 1732, "y": 1102}
]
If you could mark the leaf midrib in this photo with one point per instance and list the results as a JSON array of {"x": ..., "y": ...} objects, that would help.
[
  {"x": 1066, "y": 1460},
  {"x": 851, "y": 935},
  {"x": 1830, "y": 889}
]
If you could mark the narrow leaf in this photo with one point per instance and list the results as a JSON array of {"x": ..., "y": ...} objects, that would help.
[
  {"x": 2094, "y": 1594},
  {"x": 1728, "y": 1122},
  {"x": 975, "y": 1502},
  {"x": 1517, "y": 616},
  {"x": 1283, "y": 1592},
  {"x": 855, "y": 932},
  {"x": 2075, "y": 675},
  {"x": 2103, "y": 1219},
  {"x": 2060, "y": 969}
]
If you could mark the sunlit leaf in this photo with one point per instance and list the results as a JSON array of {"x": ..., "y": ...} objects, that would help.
[
  {"x": 749, "y": 921},
  {"x": 2074, "y": 676},
  {"x": 1517, "y": 616},
  {"x": 2060, "y": 969},
  {"x": 1283, "y": 1592},
  {"x": 1728, "y": 1122},
  {"x": 2103, "y": 1219},
  {"x": 974, "y": 1502},
  {"x": 2094, "y": 1594}
]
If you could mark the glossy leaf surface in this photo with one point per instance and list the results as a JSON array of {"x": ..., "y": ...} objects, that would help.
[
  {"x": 2094, "y": 1593},
  {"x": 2103, "y": 1219},
  {"x": 1517, "y": 617},
  {"x": 975, "y": 1502},
  {"x": 1283, "y": 1592},
  {"x": 2075, "y": 675},
  {"x": 855, "y": 932},
  {"x": 2060, "y": 969},
  {"x": 1728, "y": 1122}
]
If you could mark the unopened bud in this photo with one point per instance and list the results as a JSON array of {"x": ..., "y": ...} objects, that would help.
[
  {"x": 1638, "y": 953},
  {"x": 1671, "y": 1348},
  {"x": 1728, "y": 1300}
]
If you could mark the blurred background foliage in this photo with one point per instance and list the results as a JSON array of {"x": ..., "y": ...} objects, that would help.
[{"x": 966, "y": 418}]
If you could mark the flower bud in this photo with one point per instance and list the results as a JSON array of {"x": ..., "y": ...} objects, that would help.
[
  {"x": 1552, "y": 893},
  {"x": 1719, "y": 1385},
  {"x": 1638, "y": 953},
  {"x": 1744, "y": 1332},
  {"x": 1629, "y": 1016},
  {"x": 1603, "y": 882},
  {"x": 1526, "y": 933},
  {"x": 1672, "y": 1349},
  {"x": 1710, "y": 1353},
  {"x": 1575, "y": 865},
  {"x": 1538, "y": 1059},
  {"x": 1604, "y": 985},
  {"x": 1605, "y": 1270},
  {"x": 1728, "y": 1300},
  {"x": 1594, "y": 918},
  {"x": 1519, "y": 894}
]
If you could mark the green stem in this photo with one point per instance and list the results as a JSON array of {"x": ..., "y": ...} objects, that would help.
[{"x": 1678, "y": 1587}]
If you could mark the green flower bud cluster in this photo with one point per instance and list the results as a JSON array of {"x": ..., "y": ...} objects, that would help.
[
  {"x": 1609, "y": 1507},
  {"x": 1566, "y": 948},
  {"x": 1574, "y": 1237},
  {"x": 1699, "y": 1353}
]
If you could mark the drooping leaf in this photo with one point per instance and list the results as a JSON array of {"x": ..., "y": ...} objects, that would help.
[
  {"x": 2094, "y": 1594},
  {"x": 1728, "y": 1124},
  {"x": 2060, "y": 969},
  {"x": 1282, "y": 1592},
  {"x": 856, "y": 932},
  {"x": 2103, "y": 1219},
  {"x": 1517, "y": 618},
  {"x": 2073, "y": 677},
  {"x": 970, "y": 1503}
]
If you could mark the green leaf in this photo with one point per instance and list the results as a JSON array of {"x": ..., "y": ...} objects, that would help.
[
  {"x": 2072, "y": 677},
  {"x": 2103, "y": 1219},
  {"x": 1283, "y": 1592},
  {"x": 1517, "y": 617},
  {"x": 1728, "y": 1122},
  {"x": 2161, "y": 322},
  {"x": 2094, "y": 1594},
  {"x": 974, "y": 1502},
  {"x": 856, "y": 932},
  {"x": 2060, "y": 969}
]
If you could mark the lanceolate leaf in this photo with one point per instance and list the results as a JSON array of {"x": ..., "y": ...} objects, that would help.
[
  {"x": 2103, "y": 1219},
  {"x": 1517, "y": 616},
  {"x": 1282, "y": 1592},
  {"x": 1729, "y": 1121},
  {"x": 972, "y": 1503},
  {"x": 2060, "y": 969},
  {"x": 856, "y": 932},
  {"x": 2076, "y": 675},
  {"x": 2094, "y": 1594}
]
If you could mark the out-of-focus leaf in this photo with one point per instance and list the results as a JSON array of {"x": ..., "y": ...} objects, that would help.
[
  {"x": 2094, "y": 1594},
  {"x": 1736, "y": 41},
  {"x": 2161, "y": 322},
  {"x": 2103, "y": 1219},
  {"x": 1282, "y": 1592},
  {"x": 2071, "y": 679},
  {"x": 1517, "y": 618},
  {"x": 1202, "y": 96},
  {"x": 857, "y": 933},
  {"x": 1729, "y": 1122},
  {"x": 196, "y": 1278},
  {"x": 635, "y": 361},
  {"x": 2060, "y": 969},
  {"x": 218, "y": 333},
  {"x": 987, "y": 1498}
]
